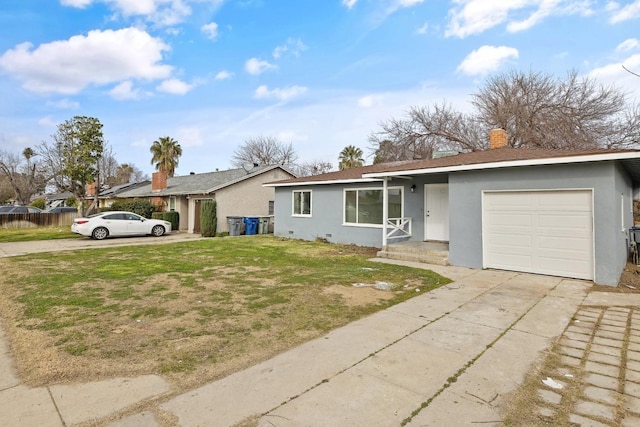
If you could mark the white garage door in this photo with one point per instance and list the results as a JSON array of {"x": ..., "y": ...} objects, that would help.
[{"x": 544, "y": 232}]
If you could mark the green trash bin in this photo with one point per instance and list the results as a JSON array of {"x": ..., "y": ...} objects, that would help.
[
  {"x": 263, "y": 225},
  {"x": 235, "y": 225}
]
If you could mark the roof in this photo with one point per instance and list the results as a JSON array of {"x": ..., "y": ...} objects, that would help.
[
  {"x": 116, "y": 190},
  {"x": 476, "y": 160},
  {"x": 201, "y": 183}
]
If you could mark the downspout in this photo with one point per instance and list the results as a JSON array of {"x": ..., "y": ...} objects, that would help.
[{"x": 385, "y": 210}]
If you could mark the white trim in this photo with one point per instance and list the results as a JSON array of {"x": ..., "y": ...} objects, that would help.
[
  {"x": 329, "y": 181},
  {"x": 293, "y": 204},
  {"x": 509, "y": 164}
]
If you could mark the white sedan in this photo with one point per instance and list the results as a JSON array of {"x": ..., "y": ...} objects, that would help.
[{"x": 116, "y": 223}]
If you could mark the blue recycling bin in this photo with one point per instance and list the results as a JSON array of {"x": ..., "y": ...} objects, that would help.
[{"x": 250, "y": 225}]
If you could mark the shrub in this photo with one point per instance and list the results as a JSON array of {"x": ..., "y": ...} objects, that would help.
[
  {"x": 39, "y": 203},
  {"x": 71, "y": 201},
  {"x": 142, "y": 207},
  {"x": 208, "y": 218},
  {"x": 172, "y": 217}
]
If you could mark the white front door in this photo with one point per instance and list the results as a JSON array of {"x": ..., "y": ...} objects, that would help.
[{"x": 436, "y": 212}]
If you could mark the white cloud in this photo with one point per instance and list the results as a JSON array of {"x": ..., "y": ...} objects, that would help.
[
  {"x": 160, "y": 12},
  {"x": 99, "y": 58},
  {"x": 174, "y": 86},
  {"x": 615, "y": 74},
  {"x": 284, "y": 94},
  {"x": 423, "y": 29},
  {"x": 256, "y": 66},
  {"x": 471, "y": 17},
  {"x": 224, "y": 75},
  {"x": 211, "y": 30},
  {"x": 295, "y": 46},
  {"x": 349, "y": 3},
  {"x": 47, "y": 121},
  {"x": 125, "y": 91},
  {"x": 65, "y": 104},
  {"x": 80, "y": 4},
  {"x": 629, "y": 11},
  {"x": 628, "y": 45},
  {"x": 486, "y": 59},
  {"x": 370, "y": 101},
  {"x": 190, "y": 137}
]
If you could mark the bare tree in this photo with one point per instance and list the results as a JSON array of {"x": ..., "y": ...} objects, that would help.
[
  {"x": 536, "y": 110},
  {"x": 316, "y": 167},
  {"x": 424, "y": 131},
  {"x": 264, "y": 150},
  {"x": 23, "y": 173},
  {"x": 108, "y": 167}
]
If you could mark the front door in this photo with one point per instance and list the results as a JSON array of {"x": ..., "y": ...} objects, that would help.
[{"x": 436, "y": 212}]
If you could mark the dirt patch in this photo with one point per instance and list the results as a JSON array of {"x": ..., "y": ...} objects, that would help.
[
  {"x": 629, "y": 281},
  {"x": 354, "y": 296}
]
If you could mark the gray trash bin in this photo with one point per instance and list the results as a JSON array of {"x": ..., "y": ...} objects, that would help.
[
  {"x": 235, "y": 225},
  {"x": 263, "y": 225}
]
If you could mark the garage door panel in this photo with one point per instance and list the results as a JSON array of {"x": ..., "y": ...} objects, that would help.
[
  {"x": 561, "y": 245},
  {"x": 546, "y": 232},
  {"x": 500, "y": 219}
]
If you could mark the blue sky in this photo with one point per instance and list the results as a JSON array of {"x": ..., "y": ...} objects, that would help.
[{"x": 320, "y": 74}]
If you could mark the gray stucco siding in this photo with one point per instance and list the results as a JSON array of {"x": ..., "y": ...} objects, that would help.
[{"x": 606, "y": 179}]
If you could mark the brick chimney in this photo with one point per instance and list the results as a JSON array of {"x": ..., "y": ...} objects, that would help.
[
  {"x": 497, "y": 138},
  {"x": 158, "y": 181},
  {"x": 91, "y": 190}
]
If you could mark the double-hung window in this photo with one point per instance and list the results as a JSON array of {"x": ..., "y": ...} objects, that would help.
[
  {"x": 302, "y": 203},
  {"x": 364, "y": 205}
]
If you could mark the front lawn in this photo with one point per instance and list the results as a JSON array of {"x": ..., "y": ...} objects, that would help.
[{"x": 192, "y": 311}]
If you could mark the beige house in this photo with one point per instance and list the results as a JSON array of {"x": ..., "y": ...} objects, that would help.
[{"x": 238, "y": 192}]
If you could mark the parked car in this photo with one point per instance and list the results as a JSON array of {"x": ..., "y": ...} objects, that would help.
[
  {"x": 19, "y": 210},
  {"x": 61, "y": 209},
  {"x": 119, "y": 223}
]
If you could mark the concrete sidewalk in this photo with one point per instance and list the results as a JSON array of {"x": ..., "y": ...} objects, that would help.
[{"x": 453, "y": 352}]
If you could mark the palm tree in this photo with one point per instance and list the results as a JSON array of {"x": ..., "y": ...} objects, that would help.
[
  {"x": 350, "y": 157},
  {"x": 166, "y": 152}
]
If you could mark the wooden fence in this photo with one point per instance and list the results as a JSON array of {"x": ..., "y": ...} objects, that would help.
[{"x": 64, "y": 219}]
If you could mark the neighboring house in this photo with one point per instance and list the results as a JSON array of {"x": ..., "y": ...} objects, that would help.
[
  {"x": 238, "y": 192},
  {"x": 54, "y": 200},
  {"x": 110, "y": 195},
  {"x": 557, "y": 212}
]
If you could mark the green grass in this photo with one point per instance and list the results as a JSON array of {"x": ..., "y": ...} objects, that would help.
[
  {"x": 30, "y": 234},
  {"x": 198, "y": 308}
]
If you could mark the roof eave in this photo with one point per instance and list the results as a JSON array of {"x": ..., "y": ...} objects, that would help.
[
  {"x": 508, "y": 164},
  {"x": 331, "y": 181}
]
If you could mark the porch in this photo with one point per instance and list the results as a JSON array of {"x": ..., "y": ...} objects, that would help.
[{"x": 431, "y": 252}]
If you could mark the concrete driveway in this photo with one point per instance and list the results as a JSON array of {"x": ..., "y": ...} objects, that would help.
[{"x": 447, "y": 357}]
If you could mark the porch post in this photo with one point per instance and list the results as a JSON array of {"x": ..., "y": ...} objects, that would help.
[{"x": 385, "y": 210}]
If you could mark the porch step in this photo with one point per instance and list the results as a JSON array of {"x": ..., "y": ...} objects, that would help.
[{"x": 427, "y": 252}]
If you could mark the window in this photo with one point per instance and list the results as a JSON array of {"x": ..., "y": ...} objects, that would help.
[
  {"x": 302, "y": 203},
  {"x": 271, "y": 207},
  {"x": 172, "y": 203},
  {"x": 364, "y": 206}
]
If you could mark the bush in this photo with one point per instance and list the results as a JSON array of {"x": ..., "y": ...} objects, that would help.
[
  {"x": 71, "y": 201},
  {"x": 208, "y": 218},
  {"x": 172, "y": 217},
  {"x": 39, "y": 203},
  {"x": 140, "y": 206}
]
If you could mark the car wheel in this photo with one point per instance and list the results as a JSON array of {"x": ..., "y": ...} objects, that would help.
[
  {"x": 157, "y": 230},
  {"x": 100, "y": 233}
]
